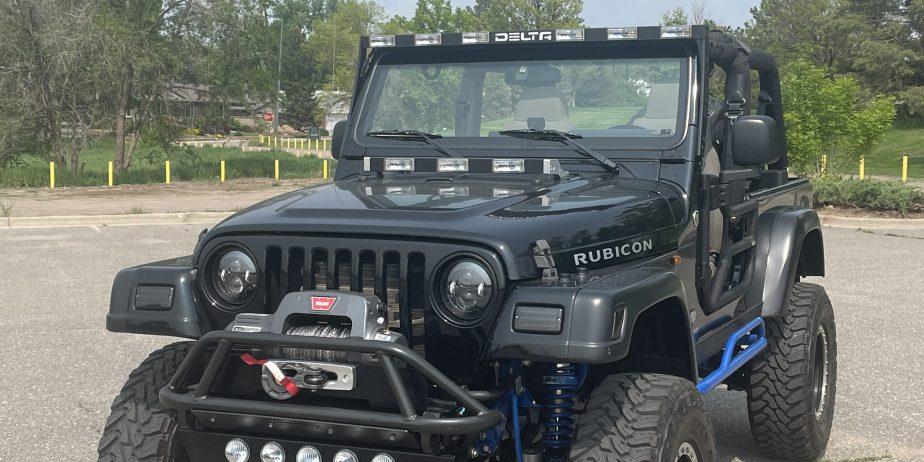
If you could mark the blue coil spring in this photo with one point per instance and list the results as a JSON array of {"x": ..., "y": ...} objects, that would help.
[{"x": 560, "y": 384}]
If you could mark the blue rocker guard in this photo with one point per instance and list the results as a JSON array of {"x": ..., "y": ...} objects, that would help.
[{"x": 753, "y": 336}]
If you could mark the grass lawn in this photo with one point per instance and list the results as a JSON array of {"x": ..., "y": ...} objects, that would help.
[
  {"x": 886, "y": 159},
  {"x": 582, "y": 117},
  {"x": 186, "y": 164}
]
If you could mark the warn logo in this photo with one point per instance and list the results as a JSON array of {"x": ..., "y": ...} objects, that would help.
[
  {"x": 530, "y": 36},
  {"x": 322, "y": 303}
]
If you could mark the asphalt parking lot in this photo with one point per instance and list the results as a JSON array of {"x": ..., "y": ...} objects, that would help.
[{"x": 61, "y": 368}]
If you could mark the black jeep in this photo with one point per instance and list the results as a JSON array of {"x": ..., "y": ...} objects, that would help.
[{"x": 539, "y": 246}]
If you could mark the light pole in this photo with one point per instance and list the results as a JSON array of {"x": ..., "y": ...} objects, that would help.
[{"x": 278, "y": 82}]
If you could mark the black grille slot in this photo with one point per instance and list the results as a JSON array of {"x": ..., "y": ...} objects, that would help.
[{"x": 398, "y": 279}]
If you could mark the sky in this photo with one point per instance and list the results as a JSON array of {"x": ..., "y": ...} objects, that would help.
[{"x": 600, "y": 13}]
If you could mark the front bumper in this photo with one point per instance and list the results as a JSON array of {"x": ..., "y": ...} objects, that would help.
[{"x": 186, "y": 391}]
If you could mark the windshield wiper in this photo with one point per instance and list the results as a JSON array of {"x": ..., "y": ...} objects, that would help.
[
  {"x": 567, "y": 138},
  {"x": 414, "y": 135}
]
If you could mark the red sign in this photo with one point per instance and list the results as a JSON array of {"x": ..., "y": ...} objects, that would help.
[
  {"x": 268, "y": 116},
  {"x": 322, "y": 303}
]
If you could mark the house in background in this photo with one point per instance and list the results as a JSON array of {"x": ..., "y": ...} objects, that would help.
[
  {"x": 335, "y": 106},
  {"x": 187, "y": 101}
]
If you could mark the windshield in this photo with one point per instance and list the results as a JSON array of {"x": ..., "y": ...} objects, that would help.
[{"x": 615, "y": 97}]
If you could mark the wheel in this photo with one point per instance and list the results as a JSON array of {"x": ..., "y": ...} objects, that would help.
[
  {"x": 137, "y": 429},
  {"x": 791, "y": 386},
  {"x": 644, "y": 418}
]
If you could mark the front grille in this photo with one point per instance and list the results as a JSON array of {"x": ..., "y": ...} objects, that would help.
[{"x": 398, "y": 279}]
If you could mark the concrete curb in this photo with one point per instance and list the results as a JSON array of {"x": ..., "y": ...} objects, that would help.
[
  {"x": 114, "y": 220},
  {"x": 832, "y": 221}
]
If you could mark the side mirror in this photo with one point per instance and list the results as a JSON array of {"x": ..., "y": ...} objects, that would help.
[
  {"x": 756, "y": 140},
  {"x": 336, "y": 138}
]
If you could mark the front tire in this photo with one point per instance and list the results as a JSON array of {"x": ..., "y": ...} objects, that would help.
[
  {"x": 791, "y": 386},
  {"x": 644, "y": 418},
  {"x": 137, "y": 428}
]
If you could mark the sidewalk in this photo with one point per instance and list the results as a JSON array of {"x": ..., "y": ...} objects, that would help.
[{"x": 142, "y": 199}]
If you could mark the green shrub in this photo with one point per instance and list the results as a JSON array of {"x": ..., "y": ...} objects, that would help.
[{"x": 868, "y": 194}]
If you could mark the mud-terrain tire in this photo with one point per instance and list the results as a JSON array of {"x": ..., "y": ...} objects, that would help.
[
  {"x": 791, "y": 385},
  {"x": 644, "y": 418},
  {"x": 137, "y": 428}
]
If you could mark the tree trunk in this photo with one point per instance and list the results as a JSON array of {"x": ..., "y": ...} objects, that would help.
[{"x": 125, "y": 94}]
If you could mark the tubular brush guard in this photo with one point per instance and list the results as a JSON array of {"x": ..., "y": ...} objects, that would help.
[{"x": 179, "y": 394}]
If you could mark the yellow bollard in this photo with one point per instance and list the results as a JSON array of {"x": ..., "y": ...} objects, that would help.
[
  {"x": 110, "y": 174},
  {"x": 905, "y": 168},
  {"x": 303, "y": 143},
  {"x": 222, "y": 171},
  {"x": 167, "y": 172},
  {"x": 324, "y": 173},
  {"x": 51, "y": 174},
  {"x": 261, "y": 138},
  {"x": 862, "y": 168},
  {"x": 325, "y": 145},
  {"x": 276, "y": 169}
]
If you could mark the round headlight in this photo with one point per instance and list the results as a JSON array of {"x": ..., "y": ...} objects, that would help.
[
  {"x": 237, "y": 451},
  {"x": 467, "y": 289},
  {"x": 272, "y": 452},
  {"x": 383, "y": 458},
  {"x": 345, "y": 455},
  {"x": 235, "y": 276},
  {"x": 308, "y": 454}
]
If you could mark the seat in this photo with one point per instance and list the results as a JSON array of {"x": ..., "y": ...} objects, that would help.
[
  {"x": 660, "y": 111},
  {"x": 541, "y": 100}
]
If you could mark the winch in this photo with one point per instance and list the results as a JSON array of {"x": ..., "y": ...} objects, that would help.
[{"x": 316, "y": 314}]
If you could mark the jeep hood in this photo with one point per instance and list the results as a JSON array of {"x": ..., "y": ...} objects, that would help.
[{"x": 576, "y": 216}]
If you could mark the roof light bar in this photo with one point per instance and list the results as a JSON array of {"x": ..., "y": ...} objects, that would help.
[
  {"x": 567, "y": 35},
  {"x": 508, "y": 166},
  {"x": 674, "y": 32},
  {"x": 399, "y": 164},
  {"x": 379, "y": 41},
  {"x": 452, "y": 165},
  {"x": 622, "y": 33},
  {"x": 469, "y": 38},
  {"x": 428, "y": 39}
]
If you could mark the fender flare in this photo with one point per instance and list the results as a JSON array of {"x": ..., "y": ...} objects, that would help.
[{"x": 789, "y": 245}]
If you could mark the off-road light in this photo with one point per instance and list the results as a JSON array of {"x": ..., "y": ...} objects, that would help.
[
  {"x": 235, "y": 277},
  {"x": 308, "y": 454},
  {"x": 237, "y": 451},
  {"x": 508, "y": 166},
  {"x": 454, "y": 191},
  {"x": 469, "y": 38},
  {"x": 504, "y": 192},
  {"x": 345, "y": 455},
  {"x": 428, "y": 39},
  {"x": 566, "y": 35},
  {"x": 400, "y": 191},
  {"x": 383, "y": 458},
  {"x": 622, "y": 33},
  {"x": 452, "y": 165},
  {"x": 670, "y": 32},
  {"x": 399, "y": 164},
  {"x": 467, "y": 289},
  {"x": 378, "y": 41},
  {"x": 272, "y": 452}
]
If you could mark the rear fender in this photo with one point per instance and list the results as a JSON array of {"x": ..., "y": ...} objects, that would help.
[{"x": 789, "y": 245}]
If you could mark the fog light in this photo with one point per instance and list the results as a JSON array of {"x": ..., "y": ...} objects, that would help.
[
  {"x": 272, "y": 452},
  {"x": 308, "y": 454},
  {"x": 345, "y": 455},
  {"x": 383, "y": 458},
  {"x": 237, "y": 451}
]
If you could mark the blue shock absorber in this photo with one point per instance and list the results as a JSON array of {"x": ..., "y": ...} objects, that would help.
[{"x": 560, "y": 384}]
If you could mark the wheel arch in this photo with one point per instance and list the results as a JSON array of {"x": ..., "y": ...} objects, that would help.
[{"x": 789, "y": 246}]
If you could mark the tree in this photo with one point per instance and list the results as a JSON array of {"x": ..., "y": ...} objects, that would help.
[
  {"x": 676, "y": 17},
  {"x": 826, "y": 116},
  {"x": 527, "y": 14}
]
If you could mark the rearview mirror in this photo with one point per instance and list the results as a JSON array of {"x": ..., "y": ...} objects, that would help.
[
  {"x": 336, "y": 138},
  {"x": 756, "y": 140}
]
